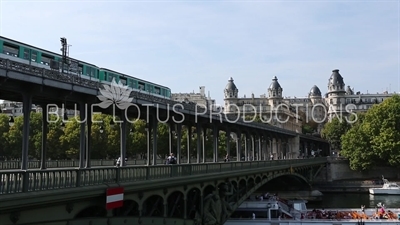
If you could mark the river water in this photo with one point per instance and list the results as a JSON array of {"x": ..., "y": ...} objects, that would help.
[{"x": 355, "y": 200}]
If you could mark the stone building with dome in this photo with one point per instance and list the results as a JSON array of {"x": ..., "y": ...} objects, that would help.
[
  {"x": 274, "y": 108},
  {"x": 342, "y": 100}
]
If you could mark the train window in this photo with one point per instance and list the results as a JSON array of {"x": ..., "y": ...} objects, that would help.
[
  {"x": 46, "y": 59},
  {"x": 10, "y": 50},
  {"x": 26, "y": 54},
  {"x": 91, "y": 72},
  {"x": 141, "y": 86},
  {"x": 157, "y": 90},
  {"x": 80, "y": 69},
  {"x": 33, "y": 56},
  {"x": 73, "y": 66},
  {"x": 131, "y": 83},
  {"x": 110, "y": 77},
  {"x": 123, "y": 80}
]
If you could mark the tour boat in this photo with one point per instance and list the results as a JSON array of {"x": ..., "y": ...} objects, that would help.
[
  {"x": 389, "y": 188},
  {"x": 276, "y": 211}
]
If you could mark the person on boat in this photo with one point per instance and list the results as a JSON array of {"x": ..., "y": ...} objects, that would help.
[
  {"x": 382, "y": 210},
  {"x": 254, "y": 216},
  {"x": 363, "y": 209}
]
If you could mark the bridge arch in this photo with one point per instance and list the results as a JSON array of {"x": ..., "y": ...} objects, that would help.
[
  {"x": 265, "y": 179},
  {"x": 299, "y": 178},
  {"x": 129, "y": 208},
  {"x": 175, "y": 204},
  {"x": 153, "y": 206},
  {"x": 209, "y": 189},
  {"x": 193, "y": 198},
  {"x": 92, "y": 211}
]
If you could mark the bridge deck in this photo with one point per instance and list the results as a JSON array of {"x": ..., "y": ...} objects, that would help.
[{"x": 17, "y": 181}]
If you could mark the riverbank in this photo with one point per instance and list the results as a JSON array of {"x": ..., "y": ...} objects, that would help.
[{"x": 360, "y": 186}]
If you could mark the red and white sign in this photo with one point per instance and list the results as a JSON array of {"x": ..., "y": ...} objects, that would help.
[{"x": 115, "y": 198}]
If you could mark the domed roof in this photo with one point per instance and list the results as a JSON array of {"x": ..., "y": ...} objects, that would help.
[
  {"x": 275, "y": 84},
  {"x": 336, "y": 78},
  {"x": 315, "y": 91},
  {"x": 231, "y": 85}
]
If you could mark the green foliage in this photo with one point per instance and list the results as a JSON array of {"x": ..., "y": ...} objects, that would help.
[
  {"x": 375, "y": 138},
  {"x": 309, "y": 125},
  {"x": 334, "y": 130},
  {"x": 63, "y": 140}
]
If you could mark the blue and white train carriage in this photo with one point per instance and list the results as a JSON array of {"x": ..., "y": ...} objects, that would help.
[{"x": 20, "y": 52}]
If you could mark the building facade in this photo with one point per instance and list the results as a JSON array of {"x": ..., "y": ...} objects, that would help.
[
  {"x": 14, "y": 109},
  {"x": 342, "y": 101},
  {"x": 199, "y": 98},
  {"x": 292, "y": 113},
  {"x": 272, "y": 109}
]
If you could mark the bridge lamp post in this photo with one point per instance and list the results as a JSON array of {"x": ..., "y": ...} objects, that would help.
[
  {"x": 149, "y": 146},
  {"x": 131, "y": 132},
  {"x": 123, "y": 137},
  {"x": 11, "y": 121}
]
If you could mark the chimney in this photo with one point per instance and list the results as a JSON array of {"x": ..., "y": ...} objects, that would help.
[{"x": 202, "y": 90}]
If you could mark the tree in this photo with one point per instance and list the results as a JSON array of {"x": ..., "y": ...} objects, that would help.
[
  {"x": 309, "y": 126},
  {"x": 375, "y": 138},
  {"x": 4, "y": 128},
  {"x": 334, "y": 130},
  {"x": 54, "y": 148},
  {"x": 70, "y": 141},
  {"x": 13, "y": 145},
  {"x": 355, "y": 146},
  {"x": 162, "y": 140},
  {"x": 138, "y": 139}
]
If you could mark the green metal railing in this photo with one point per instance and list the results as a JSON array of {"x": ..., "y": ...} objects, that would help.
[
  {"x": 18, "y": 181},
  {"x": 35, "y": 164}
]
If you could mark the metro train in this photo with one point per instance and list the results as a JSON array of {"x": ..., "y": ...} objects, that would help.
[{"x": 34, "y": 56}]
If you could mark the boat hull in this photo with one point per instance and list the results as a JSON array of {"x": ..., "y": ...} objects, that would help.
[
  {"x": 384, "y": 191},
  {"x": 308, "y": 222}
]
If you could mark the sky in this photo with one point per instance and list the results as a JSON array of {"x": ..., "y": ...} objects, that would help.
[{"x": 187, "y": 44}]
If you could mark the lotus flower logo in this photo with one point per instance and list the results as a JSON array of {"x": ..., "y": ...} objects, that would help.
[{"x": 116, "y": 94}]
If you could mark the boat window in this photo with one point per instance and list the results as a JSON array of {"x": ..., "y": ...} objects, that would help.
[{"x": 248, "y": 213}]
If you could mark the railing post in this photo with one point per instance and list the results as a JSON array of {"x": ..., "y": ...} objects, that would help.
[
  {"x": 25, "y": 181},
  {"x": 117, "y": 174},
  {"x": 78, "y": 177}
]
